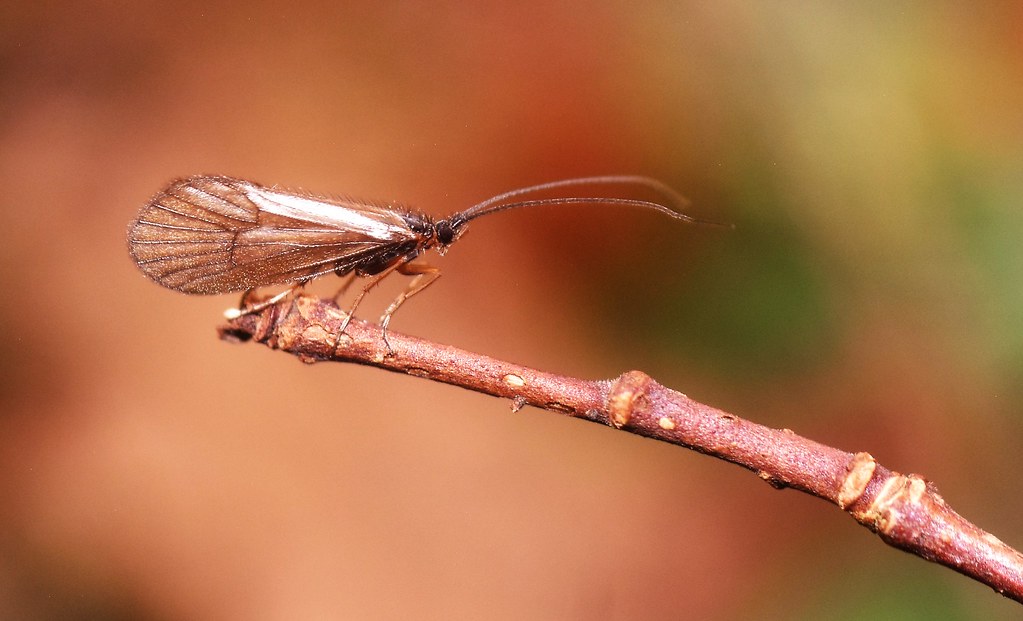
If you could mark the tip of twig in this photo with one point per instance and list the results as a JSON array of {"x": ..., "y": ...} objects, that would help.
[{"x": 234, "y": 334}]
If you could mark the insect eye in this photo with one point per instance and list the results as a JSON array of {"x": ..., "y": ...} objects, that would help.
[{"x": 447, "y": 233}]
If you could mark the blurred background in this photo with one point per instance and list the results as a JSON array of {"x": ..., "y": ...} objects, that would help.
[{"x": 870, "y": 297}]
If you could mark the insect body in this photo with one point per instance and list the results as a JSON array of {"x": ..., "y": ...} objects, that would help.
[{"x": 210, "y": 234}]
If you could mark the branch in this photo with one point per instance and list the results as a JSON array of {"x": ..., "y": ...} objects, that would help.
[{"x": 906, "y": 511}]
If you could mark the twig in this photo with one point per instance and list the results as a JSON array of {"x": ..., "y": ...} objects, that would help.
[{"x": 906, "y": 511}]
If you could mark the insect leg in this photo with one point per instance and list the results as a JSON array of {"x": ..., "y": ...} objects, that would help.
[
  {"x": 245, "y": 308},
  {"x": 244, "y": 302},
  {"x": 424, "y": 274},
  {"x": 349, "y": 279},
  {"x": 358, "y": 299}
]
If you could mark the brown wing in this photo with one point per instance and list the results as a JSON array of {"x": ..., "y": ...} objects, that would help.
[{"x": 209, "y": 235}]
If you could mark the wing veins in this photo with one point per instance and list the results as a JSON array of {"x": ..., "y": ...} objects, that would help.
[{"x": 200, "y": 209}]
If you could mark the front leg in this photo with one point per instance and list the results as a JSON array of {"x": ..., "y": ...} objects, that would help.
[{"x": 425, "y": 275}]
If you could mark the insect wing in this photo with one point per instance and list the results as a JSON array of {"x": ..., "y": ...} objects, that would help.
[{"x": 212, "y": 235}]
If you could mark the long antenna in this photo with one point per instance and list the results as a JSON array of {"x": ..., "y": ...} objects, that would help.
[
  {"x": 492, "y": 205},
  {"x": 475, "y": 212},
  {"x": 495, "y": 204}
]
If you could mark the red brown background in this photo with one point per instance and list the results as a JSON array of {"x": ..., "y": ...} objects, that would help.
[{"x": 869, "y": 297}]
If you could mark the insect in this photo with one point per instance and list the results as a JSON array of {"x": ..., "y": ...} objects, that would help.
[{"x": 210, "y": 234}]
